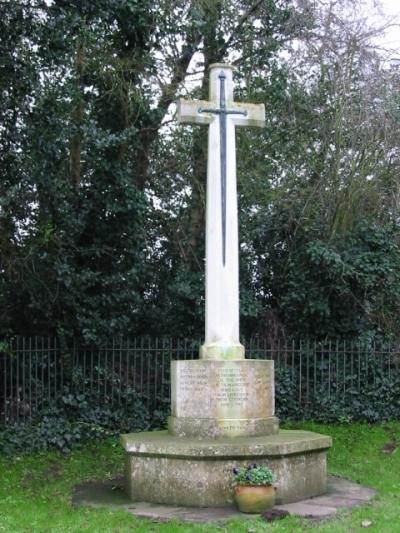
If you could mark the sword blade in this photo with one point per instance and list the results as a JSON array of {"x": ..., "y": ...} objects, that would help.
[
  {"x": 222, "y": 138},
  {"x": 222, "y": 125}
]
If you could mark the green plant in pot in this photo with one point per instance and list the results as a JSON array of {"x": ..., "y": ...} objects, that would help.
[{"x": 254, "y": 490}]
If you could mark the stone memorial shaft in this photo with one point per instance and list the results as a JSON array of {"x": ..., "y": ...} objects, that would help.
[{"x": 221, "y": 114}]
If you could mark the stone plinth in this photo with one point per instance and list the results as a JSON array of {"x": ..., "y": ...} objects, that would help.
[
  {"x": 163, "y": 468},
  {"x": 213, "y": 399}
]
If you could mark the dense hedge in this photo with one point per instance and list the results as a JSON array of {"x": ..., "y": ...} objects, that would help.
[
  {"x": 78, "y": 418},
  {"x": 376, "y": 401}
]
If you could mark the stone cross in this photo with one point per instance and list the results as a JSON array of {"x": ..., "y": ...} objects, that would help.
[
  {"x": 222, "y": 405},
  {"x": 221, "y": 114}
]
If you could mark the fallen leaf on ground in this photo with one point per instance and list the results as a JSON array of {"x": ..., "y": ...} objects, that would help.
[
  {"x": 274, "y": 514},
  {"x": 366, "y": 523},
  {"x": 389, "y": 447}
]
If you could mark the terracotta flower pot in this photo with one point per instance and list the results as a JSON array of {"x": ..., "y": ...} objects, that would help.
[{"x": 254, "y": 499}]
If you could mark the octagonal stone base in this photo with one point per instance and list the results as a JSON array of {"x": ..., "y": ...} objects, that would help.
[{"x": 162, "y": 468}]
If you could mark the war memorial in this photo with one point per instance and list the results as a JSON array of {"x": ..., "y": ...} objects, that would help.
[{"x": 222, "y": 405}]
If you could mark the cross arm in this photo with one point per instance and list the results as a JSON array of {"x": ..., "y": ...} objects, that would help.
[
  {"x": 254, "y": 115},
  {"x": 188, "y": 111}
]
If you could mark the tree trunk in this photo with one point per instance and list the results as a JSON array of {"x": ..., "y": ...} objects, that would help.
[{"x": 77, "y": 115}]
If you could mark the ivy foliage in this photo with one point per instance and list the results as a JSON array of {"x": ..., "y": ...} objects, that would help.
[
  {"x": 89, "y": 243},
  {"x": 76, "y": 418},
  {"x": 347, "y": 286},
  {"x": 102, "y": 196},
  {"x": 374, "y": 400}
]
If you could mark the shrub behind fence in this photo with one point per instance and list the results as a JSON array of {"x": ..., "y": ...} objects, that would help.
[{"x": 37, "y": 371}]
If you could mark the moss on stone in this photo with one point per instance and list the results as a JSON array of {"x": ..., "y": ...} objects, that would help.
[{"x": 285, "y": 442}]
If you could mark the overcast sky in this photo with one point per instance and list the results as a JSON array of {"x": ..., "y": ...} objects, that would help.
[{"x": 391, "y": 39}]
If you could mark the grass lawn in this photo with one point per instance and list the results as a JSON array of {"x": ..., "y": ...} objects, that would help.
[{"x": 35, "y": 490}]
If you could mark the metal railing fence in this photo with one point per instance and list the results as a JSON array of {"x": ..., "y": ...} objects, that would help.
[{"x": 36, "y": 372}]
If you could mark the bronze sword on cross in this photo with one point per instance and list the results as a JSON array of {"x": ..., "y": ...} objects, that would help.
[{"x": 223, "y": 112}]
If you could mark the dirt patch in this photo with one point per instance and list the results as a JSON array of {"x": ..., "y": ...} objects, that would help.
[
  {"x": 391, "y": 446},
  {"x": 52, "y": 472}
]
